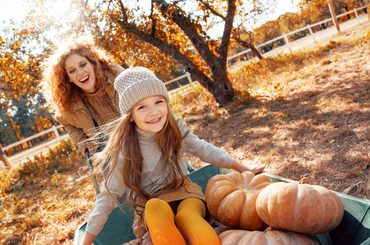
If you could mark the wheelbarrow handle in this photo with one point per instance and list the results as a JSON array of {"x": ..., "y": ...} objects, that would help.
[{"x": 87, "y": 153}]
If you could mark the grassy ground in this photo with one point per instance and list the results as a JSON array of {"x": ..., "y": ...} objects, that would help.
[{"x": 303, "y": 114}]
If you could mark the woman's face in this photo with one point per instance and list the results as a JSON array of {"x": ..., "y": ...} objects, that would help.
[
  {"x": 150, "y": 114},
  {"x": 81, "y": 72}
]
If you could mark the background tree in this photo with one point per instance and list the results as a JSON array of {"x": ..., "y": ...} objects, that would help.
[
  {"x": 318, "y": 10},
  {"x": 169, "y": 33},
  {"x": 7, "y": 135},
  {"x": 19, "y": 76}
]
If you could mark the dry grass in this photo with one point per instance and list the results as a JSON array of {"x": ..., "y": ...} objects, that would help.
[
  {"x": 44, "y": 200},
  {"x": 307, "y": 115},
  {"x": 301, "y": 114}
]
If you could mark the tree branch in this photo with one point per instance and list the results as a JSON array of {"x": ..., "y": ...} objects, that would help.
[
  {"x": 123, "y": 10},
  {"x": 209, "y": 7},
  {"x": 168, "y": 49},
  {"x": 227, "y": 31},
  {"x": 187, "y": 27},
  {"x": 154, "y": 22},
  {"x": 108, "y": 4},
  {"x": 248, "y": 45}
]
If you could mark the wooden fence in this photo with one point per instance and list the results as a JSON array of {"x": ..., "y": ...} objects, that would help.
[
  {"x": 314, "y": 36},
  {"x": 52, "y": 129}
]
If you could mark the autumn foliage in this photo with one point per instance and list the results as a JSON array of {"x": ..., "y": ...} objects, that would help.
[
  {"x": 169, "y": 37},
  {"x": 44, "y": 200}
]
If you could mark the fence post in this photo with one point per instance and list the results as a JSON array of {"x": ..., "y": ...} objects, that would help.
[
  {"x": 333, "y": 15},
  {"x": 312, "y": 34},
  {"x": 56, "y": 132},
  {"x": 358, "y": 19},
  {"x": 286, "y": 41},
  {"x": 189, "y": 77},
  {"x": 4, "y": 158}
]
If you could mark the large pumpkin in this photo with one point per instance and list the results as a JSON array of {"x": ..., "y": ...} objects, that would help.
[
  {"x": 276, "y": 237},
  {"x": 309, "y": 209},
  {"x": 231, "y": 198}
]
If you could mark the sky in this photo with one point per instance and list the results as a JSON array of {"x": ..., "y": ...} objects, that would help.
[{"x": 12, "y": 10}]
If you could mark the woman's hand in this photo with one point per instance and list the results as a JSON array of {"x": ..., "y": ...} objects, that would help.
[
  {"x": 241, "y": 167},
  {"x": 83, "y": 145}
]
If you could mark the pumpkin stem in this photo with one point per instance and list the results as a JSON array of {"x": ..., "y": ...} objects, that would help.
[
  {"x": 270, "y": 228},
  {"x": 303, "y": 181}
]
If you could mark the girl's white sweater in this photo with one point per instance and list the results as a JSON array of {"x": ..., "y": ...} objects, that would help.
[{"x": 153, "y": 170}]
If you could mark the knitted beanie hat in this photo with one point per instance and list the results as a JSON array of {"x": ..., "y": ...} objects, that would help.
[{"x": 135, "y": 84}]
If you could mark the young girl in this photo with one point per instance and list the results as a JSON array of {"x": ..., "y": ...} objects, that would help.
[
  {"x": 144, "y": 151},
  {"x": 78, "y": 83}
]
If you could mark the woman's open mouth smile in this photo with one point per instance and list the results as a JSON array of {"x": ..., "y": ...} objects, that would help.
[{"x": 85, "y": 80}]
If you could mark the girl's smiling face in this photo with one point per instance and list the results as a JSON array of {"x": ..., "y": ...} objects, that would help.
[
  {"x": 81, "y": 72},
  {"x": 150, "y": 114}
]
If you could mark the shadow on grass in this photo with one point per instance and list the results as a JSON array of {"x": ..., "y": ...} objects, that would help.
[{"x": 297, "y": 137}]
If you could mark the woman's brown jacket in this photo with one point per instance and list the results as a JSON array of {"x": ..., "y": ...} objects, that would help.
[{"x": 79, "y": 122}]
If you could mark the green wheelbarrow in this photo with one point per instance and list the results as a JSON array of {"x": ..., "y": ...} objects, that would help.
[{"x": 353, "y": 230}]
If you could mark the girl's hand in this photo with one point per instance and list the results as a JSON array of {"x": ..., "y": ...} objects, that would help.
[
  {"x": 87, "y": 238},
  {"x": 83, "y": 145},
  {"x": 142, "y": 241},
  {"x": 138, "y": 227},
  {"x": 241, "y": 167}
]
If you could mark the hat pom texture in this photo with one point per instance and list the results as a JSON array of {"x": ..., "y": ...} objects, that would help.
[{"x": 135, "y": 84}]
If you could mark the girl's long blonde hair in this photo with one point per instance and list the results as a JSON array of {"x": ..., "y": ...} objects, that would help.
[
  {"x": 122, "y": 137},
  {"x": 55, "y": 85}
]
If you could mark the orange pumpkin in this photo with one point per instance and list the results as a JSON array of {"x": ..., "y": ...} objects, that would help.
[
  {"x": 309, "y": 209},
  {"x": 231, "y": 199},
  {"x": 277, "y": 237}
]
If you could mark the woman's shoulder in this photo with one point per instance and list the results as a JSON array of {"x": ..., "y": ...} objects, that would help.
[
  {"x": 113, "y": 73},
  {"x": 77, "y": 107}
]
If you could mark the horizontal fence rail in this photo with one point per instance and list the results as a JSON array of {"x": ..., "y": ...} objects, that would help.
[
  {"x": 188, "y": 87},
  {"x": 52, "y": 129},
  {"x": 308, "y": 27},
  {"x": 36, "y": 149}
]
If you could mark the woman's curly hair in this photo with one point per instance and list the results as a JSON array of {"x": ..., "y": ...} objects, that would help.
[{"x": 55, "y": 85}]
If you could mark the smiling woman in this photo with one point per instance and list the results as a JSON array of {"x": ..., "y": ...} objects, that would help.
[
  {"x": 78, "y": 82},
  {"x": 81, "y": 72}
]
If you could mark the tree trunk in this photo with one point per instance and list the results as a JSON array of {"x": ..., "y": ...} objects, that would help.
[
  {"x": 4, "y": 158},
  {"x": 221, "y": 88}
]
